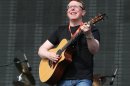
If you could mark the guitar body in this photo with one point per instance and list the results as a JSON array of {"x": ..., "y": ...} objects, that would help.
[{"x": 51, "y": 73}]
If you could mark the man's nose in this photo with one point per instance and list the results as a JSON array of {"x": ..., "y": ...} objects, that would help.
[{"x": 73, "y": 8}]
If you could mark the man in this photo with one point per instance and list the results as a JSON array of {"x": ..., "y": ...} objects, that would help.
[{"x": 80, "y": 70}]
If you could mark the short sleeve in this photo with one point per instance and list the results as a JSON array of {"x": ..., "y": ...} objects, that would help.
[{"x": 53, "y": 37}]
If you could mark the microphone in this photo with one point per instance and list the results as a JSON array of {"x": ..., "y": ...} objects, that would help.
[
  {"x": 113, "y": 77},
  {"x": 26, "y": 60}
]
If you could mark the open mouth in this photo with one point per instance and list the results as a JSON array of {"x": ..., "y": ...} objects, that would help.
[{"x": 73, "y": 13}]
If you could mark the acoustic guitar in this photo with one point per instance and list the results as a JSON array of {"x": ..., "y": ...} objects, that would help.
[{"x": 50, "y": 72}]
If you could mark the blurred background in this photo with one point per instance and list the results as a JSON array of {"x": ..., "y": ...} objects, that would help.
[{"x": 25, "y": 25}]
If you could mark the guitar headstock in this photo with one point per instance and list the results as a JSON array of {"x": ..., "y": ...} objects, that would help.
[{"x": 97, "y": 18}]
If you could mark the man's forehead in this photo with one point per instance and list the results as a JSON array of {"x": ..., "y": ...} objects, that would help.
[{"x": 75, "y": 3}]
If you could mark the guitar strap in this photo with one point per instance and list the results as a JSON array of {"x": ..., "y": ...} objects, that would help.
[{"x": 76, "y": 32}]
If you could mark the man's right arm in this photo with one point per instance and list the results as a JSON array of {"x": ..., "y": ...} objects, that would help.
[{"x": 43, "y": 51}]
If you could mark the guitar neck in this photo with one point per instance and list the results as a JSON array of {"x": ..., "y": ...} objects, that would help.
[{"x": 68, "y": 43}]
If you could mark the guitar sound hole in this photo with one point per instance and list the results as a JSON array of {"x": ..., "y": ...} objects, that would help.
[{"x": 50, "y": 63}]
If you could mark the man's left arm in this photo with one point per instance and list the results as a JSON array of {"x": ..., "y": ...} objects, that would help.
[
  {"x": 93, "y": 43},
  {"x": 91, "y": 38}
]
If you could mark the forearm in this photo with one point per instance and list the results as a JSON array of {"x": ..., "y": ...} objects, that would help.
[
  {"x": 43, "y": 53},
  {"x": 93, "y": 44}
]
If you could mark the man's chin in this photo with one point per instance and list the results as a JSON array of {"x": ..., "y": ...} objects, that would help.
[{"x": 73, "y": 19}]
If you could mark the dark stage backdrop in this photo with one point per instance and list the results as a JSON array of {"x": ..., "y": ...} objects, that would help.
[{"x": 25, "y": 24}]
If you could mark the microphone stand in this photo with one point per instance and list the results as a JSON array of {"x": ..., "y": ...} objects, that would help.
[
  {"x": 102, "y": 79},
  {"x": 25, "y": 76}
]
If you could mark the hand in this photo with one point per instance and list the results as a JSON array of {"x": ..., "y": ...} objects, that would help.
[
  {"x": 86, "y": 28},
  {"x": 53, "y": 57}
]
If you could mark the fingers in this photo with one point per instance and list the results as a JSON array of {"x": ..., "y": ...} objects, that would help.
[
  {"x": 86, "y": 27},
  {"x": 54, "y": 58},
  {"x": 88, "y": 24}
]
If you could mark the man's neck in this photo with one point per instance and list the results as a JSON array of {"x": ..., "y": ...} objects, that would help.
[{"x": 75, "y": 23}]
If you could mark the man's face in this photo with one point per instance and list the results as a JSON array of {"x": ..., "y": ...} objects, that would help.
[{"x": 75, "y": 10}]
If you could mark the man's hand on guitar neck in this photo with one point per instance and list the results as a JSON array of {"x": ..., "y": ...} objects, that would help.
[{"x": 86, "y": 28}]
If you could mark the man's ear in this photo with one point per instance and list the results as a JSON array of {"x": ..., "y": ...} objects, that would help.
[{"x": 84, "y": 12}]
